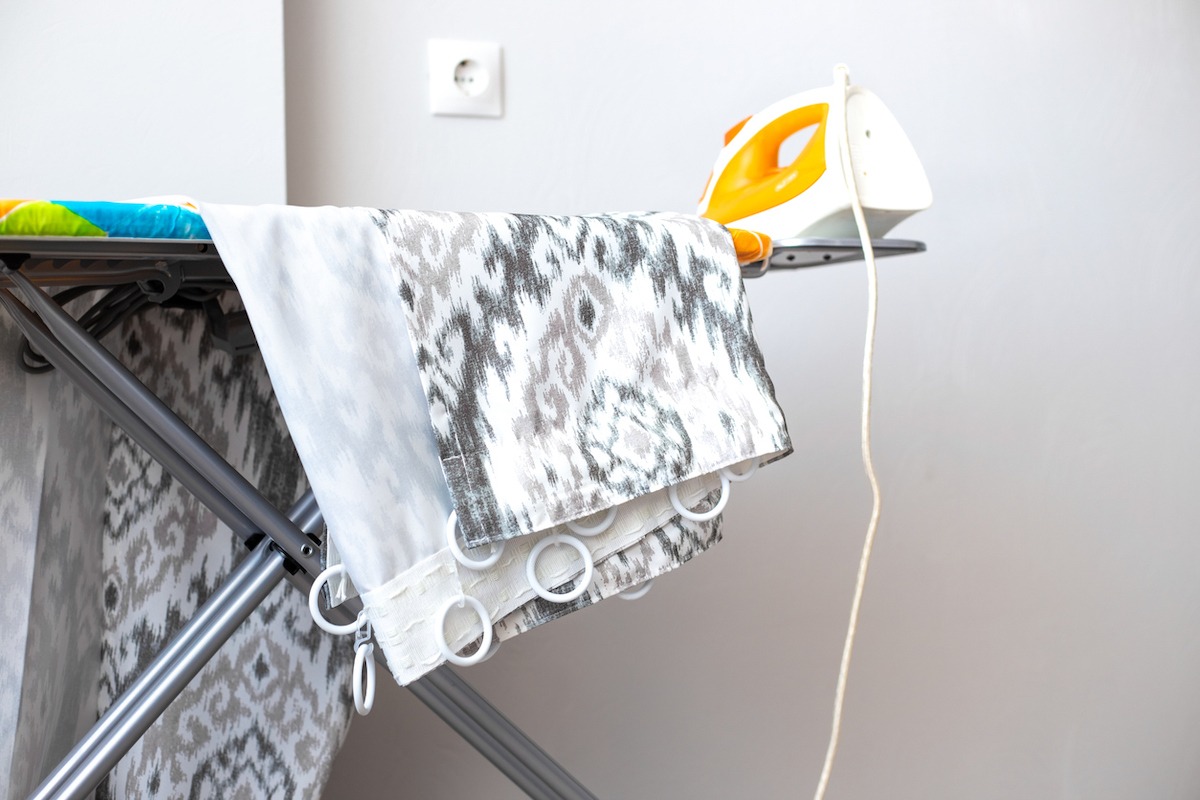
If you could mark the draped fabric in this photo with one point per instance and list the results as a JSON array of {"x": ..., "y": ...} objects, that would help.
[
  {"x": 575, "y": 363},
  {"x": 521, "y": 371},
  {"x": 267, "y": 715},
  {"x": 53, "y": 447},
  {"x": 107, "y": 557}
]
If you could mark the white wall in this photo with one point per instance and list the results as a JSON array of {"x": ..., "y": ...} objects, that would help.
[
  {"x": 118, "y": 100},
  {"x": 105, "y": 101},
  {"x": 1031, "y": 625}
]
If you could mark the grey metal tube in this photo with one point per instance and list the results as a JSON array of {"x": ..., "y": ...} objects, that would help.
[
  {"x": 515, "y": 770},
  {"x": 121, "y": 382},
  {"x": 467, "y": 712},
  {"x": 308, "y": 516},
  {"x": 464, "y": 696},
  {"x": 131, "y": 423},
  {"x": 133, "y": 695},
  {"x": 257, "y": 575},
  {"x": 533, "y": 775}
]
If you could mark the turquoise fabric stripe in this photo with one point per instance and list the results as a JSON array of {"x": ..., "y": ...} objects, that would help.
[{"x": 137, "y": 221}]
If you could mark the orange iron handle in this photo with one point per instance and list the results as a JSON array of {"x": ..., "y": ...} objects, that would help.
[
  {"x": 750, "y": 246},
  {"x": 753, "y": 181}
]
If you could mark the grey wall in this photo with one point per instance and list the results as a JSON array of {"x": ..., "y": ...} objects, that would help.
[
  {"x": 134, "y": 98},
  {"x": 1031, "y": 621},
  {"x": 102, "y": 101}
]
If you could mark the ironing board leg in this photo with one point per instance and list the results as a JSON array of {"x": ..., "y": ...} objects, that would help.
[
  {"x": 50, "y": 348},
  {"x": 124, "y": 724},
  {"x": 478, "y": 722},
  {"x": 133, "y": 394},
  {"x": 306, "y": 514},
  {"x": 517, "y": 771},
  {"x": 209, "y": 478},
  {"x": 464, "y": 696}
]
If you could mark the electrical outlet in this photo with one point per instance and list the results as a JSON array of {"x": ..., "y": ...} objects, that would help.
[{"x": 466, "y": 79}]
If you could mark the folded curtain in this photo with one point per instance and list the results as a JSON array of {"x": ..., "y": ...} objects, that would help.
[
  {"x": 574, "y": 363},
  {"x": 521, "y": 371}
]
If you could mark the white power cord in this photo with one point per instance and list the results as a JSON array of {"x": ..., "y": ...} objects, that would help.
[{"x": 841, "y": 76}]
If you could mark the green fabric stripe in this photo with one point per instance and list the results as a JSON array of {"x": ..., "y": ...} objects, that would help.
[{"x": 41, "y": 218}]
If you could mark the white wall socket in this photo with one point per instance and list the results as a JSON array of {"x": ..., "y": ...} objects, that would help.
[{"x": 465, "y": 78}]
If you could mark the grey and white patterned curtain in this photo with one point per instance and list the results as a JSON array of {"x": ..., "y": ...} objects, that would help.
[
  {"x": 521, "y": 372},
  {"x": 107, "y": 557}
]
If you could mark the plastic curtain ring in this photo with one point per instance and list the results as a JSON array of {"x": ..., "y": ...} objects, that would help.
[
  {"x": 440, "y": 632},
  {"x": 745, "y": 476},
  {"x": 314, "y": 595},
  {"x": 492, "y": 650},
  {"x": 605, "y": 524},
  {"x": 364, "y": 656},
  {"x": 584, "y": 581},
  {"x": 460, "y": 556},
  {"x": 673, "y": 495},
  {"x": 636, "y": 592}
]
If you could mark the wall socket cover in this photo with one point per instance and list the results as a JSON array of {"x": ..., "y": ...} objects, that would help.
[{"x": 465, "y": 78}]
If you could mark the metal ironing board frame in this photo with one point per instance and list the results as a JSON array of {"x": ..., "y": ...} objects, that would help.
[
  {"x": 282, "y": 546},
  {"x": 165, "y": 265}
]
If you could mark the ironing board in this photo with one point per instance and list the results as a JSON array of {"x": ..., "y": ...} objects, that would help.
[{"x": 161, "y": 250}]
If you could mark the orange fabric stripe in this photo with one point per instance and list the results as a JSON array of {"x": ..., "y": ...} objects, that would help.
[{"x": 8, "y": 205}]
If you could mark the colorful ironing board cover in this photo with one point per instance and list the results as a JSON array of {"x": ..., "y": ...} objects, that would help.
[
  {"x": 177, "y": 219},
  {"x": 134, "y": 220}
]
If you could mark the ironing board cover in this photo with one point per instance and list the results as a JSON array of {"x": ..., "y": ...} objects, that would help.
[
  {"x": 179, "y": 220},
  {"x": 159, "y": 218}
]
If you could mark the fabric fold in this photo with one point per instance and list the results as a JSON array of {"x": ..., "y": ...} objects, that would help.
[
  {"x": 573, "y": 363},
  {"x": 524, "y": 372}
]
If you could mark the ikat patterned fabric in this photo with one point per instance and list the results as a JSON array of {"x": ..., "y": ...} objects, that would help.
[
  {"x": 574, "y": 363},
  {"x": 522, "y": 371},
  {"x": 53, "y": 449},
  {"x": 107, "y": 557},
  {"x": 541, "y": 369},
  {"x": 267, "y": 715}
]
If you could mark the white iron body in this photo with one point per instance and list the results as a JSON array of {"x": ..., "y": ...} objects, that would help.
[{"x": 891, "y": 182}]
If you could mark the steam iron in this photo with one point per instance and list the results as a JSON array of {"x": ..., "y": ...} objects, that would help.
[{"x": 808, "y": 197}]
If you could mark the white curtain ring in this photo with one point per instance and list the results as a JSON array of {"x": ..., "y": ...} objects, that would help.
[
  {"x": 492, "y": 650},
  {"x": 636, "y": 592},
  {"x": 582, "y": 584},
  {"x": 314, "y": 595},
  {"x": 745, "y": 476},
  {"x": 460, "y": 556},
  {"x": 673, "y": 495},
  {"x": 605, "y": 524},
  {"x": 364, "y": 655},
  {"x": 440, "y": 632}
]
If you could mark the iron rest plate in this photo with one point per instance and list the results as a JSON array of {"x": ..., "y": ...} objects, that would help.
[{"x": 814, "y": 252}]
